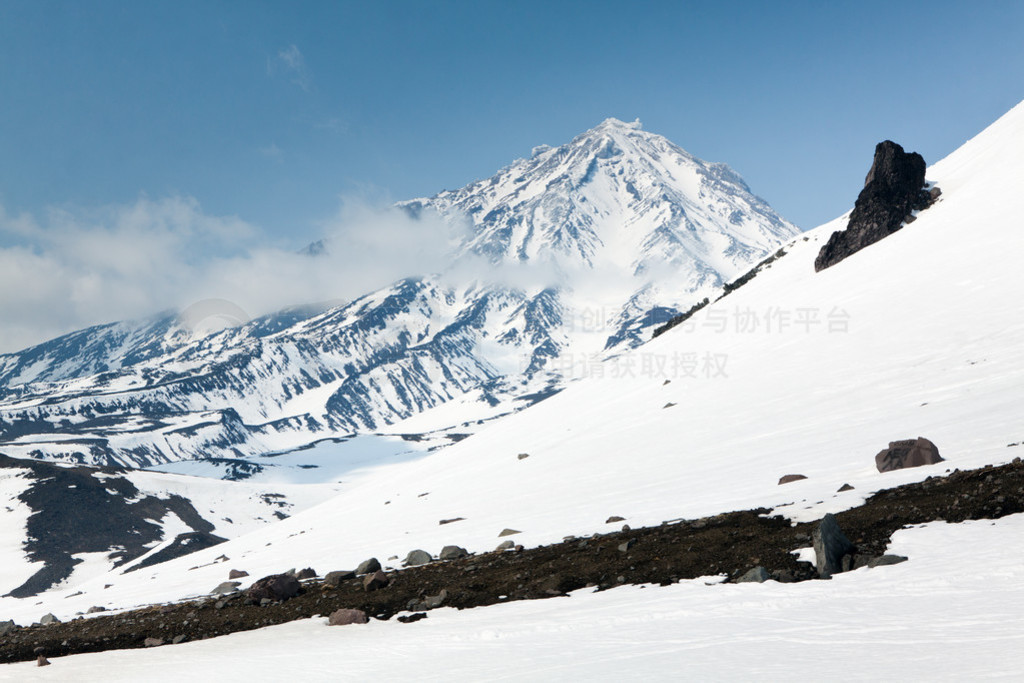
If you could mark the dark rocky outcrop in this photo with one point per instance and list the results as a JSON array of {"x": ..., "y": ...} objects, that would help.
[
  {"x": 831, "y": 547},
  {"x": 276, "y": 587},
  {"x": 893, "y": 190},
  {"x": 908, "y": 453}
]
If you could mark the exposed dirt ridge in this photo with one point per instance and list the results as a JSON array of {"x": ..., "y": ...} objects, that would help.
[{"x": 729, "y": 544}]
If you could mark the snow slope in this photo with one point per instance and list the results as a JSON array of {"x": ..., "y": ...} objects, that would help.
[{"x": 916, "y": 335}]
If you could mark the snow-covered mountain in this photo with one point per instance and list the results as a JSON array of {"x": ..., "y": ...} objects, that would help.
[
  {"x": 795, "y": 372},
  {"x": 566, "y": 258}
]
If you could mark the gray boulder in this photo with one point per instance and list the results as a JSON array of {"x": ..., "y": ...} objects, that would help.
[
  {"x": 907, "y": 453},
  {"x": 226, "y": 587},
  {"x": 96, "y": 609},
  {"x": 49, "y": 619},
  {"x": 885, "y": 560},
  {"x": 505, "y": 545},
  {"x": 831, "y": 546},
  {"x": 755, "y": 575},
  {"x": 368, "y": 566},
  {"x": 417, "y": 557},
  {"x": 237, "y": 574},
  {"x": 6, "y": 627},
  {"x": 307, "y": 573},
  {"x": 453, "y": 552}
]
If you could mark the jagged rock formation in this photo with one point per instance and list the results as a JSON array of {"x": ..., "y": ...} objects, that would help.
[{"x": 893, "y": 190}]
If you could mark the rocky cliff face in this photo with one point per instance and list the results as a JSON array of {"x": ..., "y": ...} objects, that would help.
[{"x": 893, "y": 190}]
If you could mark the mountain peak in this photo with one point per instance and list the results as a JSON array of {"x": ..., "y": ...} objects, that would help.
[{"x": 616, "y": 124}]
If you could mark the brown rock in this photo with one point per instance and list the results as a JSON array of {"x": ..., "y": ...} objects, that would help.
[
  {"x": 236, "y": 574},
  {"x": 375, "y": 581},
  {"x": 344, "y": 617},
  {"x": 42, "y": 661},
  {"x": 785, "y": 479},
  {"x": 908, "y": 453},
  {"x": 275, "y": 587},
  {"x": 153, "y": 642}
]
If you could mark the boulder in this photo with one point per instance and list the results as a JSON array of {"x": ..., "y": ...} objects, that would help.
[
  {"x": 344, "y": 617},
  {"x": 831, "y": 546},
  {"x": 908, "y": 453},
  {"x": 237, "y": 574},
  {"x": 6, "y": 627},
  {"x": 49, "y": 619},
  {"x": 893, "y": 190},
  {"x": 153, "y": 642},
  {"x": 453, "y": 552},
  {"x": 755, "y": 575},
  {"x": 368, "y": 566},
  {"x": 509, "y": 532},
  {"x": 276, "y": 587},
  {"x": 334, "y": 579},
  {"x": 375, "y": 581},
  {"x": 95, "y": 609},
  {"x": 505, "y": 545},
  {"x": 417, "y": 557},
  {"x": 226, "y": 587},
  {"x": 613, "y": 519},
  {"x": 787, "y": 478},
  {"x": 307, "y": 573},
  {"x": 42, "y": 661}
]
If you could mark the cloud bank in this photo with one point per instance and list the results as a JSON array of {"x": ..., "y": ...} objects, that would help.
[{"x": 68, "y": 269}]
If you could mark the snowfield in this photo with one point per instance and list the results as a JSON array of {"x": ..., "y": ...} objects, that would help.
[{"x": 796, "y": 372}]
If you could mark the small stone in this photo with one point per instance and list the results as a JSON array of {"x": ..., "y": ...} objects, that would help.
[
  {"x": 453, "y": 552},
  {"x": 333, "y": 579},
  {"x": 885, "y": 560},
  {"x": 625, "y": 527},
  {"x": 417, "y": 557},
  {"x": 411, "y": 618},
  {"x": 505, "y": 545},
  {"x": 624, "y": 547},
  {"x": 613, "y": 519},
  {"x": 42, "y": 661},
  {"x": 845, "y": 487},
  {"x": 153, "y": 642},
  {"x": 523, "y": 456},
  {"x": 755, "y": 575},
  {"x": 787, "y": 478},
  {"x": 433, "y": 601},
  {"x": 96, "y": 608},
  {"x": 449, "y": 521},
  {"x": 375, "y": 581},
  {"x": 368, "y": 566},
  {"x": 6, "y": 627},
  {"x": 344, "y": 617},
  {"x": 307, "y": 573},
  {"x": 219, "y": 604},
  {"x": 266, "y": 601},
  {"x": 178, "y": 639},
  {"x": 509, "y": 532},
  {"x": 237, "y": 574},
  {"x": 226, "y": 587}
]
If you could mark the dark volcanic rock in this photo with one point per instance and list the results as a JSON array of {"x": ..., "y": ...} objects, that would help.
[
  {"x": 334, "y": 579},
  {"x": 275, "y": 587},
  {"x": 755, "y": 575},
  {"x": 908, "y": 453},
  {"x": 787, "y": 478},
  {"x": 831, "y": 546},
  {"x": 307, "y": 573},
  {"x": 893, "y": 190}
]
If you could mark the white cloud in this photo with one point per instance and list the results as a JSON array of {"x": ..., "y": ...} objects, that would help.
[
  {"x": 73, "y": 268},
  {"x": 290, "y": 62}
]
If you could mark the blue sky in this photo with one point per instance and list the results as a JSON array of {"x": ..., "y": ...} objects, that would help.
[{"x": 275, "y": 114}]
